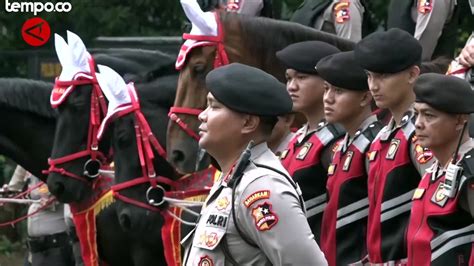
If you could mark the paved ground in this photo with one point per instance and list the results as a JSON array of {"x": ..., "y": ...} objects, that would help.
[{"x": 15, "y": 259}]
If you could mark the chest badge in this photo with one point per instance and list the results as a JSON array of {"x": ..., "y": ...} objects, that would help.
[
  {"x": 392, "y": 150},
  {"x": 304, "y": 151},
  {"x": 439, "y": 198},
  {"x": 222, "y": 203},
  {"x": 205, "y": 261},
  {"x": 347, "y": 161},
  {"x": 209, "y": 239}
]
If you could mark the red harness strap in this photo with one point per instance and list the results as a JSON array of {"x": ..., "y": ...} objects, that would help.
[
  {"x": 220, "y": 59},
  {"x": 146, "y": 142},
  {"x": 97, "y": 112},
  {"x": 188, "y": 111}
]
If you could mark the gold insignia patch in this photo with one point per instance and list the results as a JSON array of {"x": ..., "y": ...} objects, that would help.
[
  {"x": 283, "y": 154},
  {"x": 392, "y": 150},
  {"x": 418, "y": 193},
  {"x": 256, "y": 196},
  {"x": 347, "y": 161},
  {"x": 43, "y": 189},
  {"x": 371, "y": 155},
  {"x": 222, "y": 203},
  {"x": 331, "y": 169},
  {"x": 304, "y": 151}
]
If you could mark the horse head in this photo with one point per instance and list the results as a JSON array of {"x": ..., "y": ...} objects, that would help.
[
  {"x": 229, "y": 38},
  {"x": 138, "y": 128},
  {"x": 76, "y": 156}
]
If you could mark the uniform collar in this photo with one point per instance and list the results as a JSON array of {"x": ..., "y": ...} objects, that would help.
[
  {"x": 391, "y": 127},
  {"x": 363, "y": 126},
  {"x": 258, "y": 150},
  {"x": 437, "y": 170},
  {"x": 304, "y": 131}
]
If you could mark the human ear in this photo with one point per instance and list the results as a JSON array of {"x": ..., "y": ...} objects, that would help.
[{"x": 250, "y": 123}]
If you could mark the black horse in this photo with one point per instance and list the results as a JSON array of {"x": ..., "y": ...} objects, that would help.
[
  {"x": 72, "y": 135},
  {"x": 27, "y": 138}
]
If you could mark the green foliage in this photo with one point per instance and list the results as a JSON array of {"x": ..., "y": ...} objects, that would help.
[
  {"x": 6, "y": 170},
  {"x": 91, "y": 18},
  {"x": 7, "y": 247}
]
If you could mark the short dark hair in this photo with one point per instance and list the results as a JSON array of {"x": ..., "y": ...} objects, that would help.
[{"x": 267, "y": 123}]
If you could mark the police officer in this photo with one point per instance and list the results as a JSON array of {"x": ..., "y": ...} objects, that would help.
[
  {"x": 309, "y": 152},
  {"x": 396, "y": 162},
  {"x": 441, "y": 229},
  {"x": 341, "y": 17},
  {"x": 48, "y": 239},
  {"x": 432, "y": 22},
  {"x": 432, "y": 17},
  {"x": 254, "y": 213},
  {"x": 347, "y": 101},
  {"x": 282, "y": 134}
]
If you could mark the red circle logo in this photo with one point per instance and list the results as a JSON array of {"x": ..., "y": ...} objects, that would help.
[{"x": 35, "y": 31}]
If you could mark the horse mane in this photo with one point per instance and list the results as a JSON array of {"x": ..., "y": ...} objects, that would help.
[
  {"x": 438, "y": 65},
  {"x": 27, "y": 95},
  {"x": 138, "y": 65},
  {"x": 274, "y": 35},
  {"x": 160, "y": 91}
]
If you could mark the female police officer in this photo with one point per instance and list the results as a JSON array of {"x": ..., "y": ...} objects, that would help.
[{"x": 254, "y": 213}]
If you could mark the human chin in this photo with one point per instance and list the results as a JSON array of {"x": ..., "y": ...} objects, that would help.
[{"x": 203, "y": 143}]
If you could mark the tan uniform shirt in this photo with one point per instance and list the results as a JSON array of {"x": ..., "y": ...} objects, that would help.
[
  {"x": 430, "y": 17},
  {"x": 345, "y": 17},
  {"x": 269, "y": 214}
]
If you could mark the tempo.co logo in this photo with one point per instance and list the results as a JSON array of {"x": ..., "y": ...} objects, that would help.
[{"x": 37, "y": 7}]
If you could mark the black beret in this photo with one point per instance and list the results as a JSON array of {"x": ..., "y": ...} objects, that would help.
[
  {"x": 249, "y": 90},
  {"x": 303, "y": 56},
  {"x": 341, "y": 70},
  {"x": 391, "y": 51},
  {"x": 445, "y": 93}
]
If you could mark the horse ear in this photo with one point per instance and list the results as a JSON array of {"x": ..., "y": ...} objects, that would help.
[
  {"x": 113, "y": 86},
  {"x": 63, "y": 51},
  {"x": 115, "y": 90},
  {"x": 79, "y": 52}
]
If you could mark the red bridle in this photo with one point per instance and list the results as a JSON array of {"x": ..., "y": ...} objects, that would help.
[
  {"x": 146, "y": 142},
  {"x": 97, "y": 112},
  {"x": 220, "y": 59}
]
